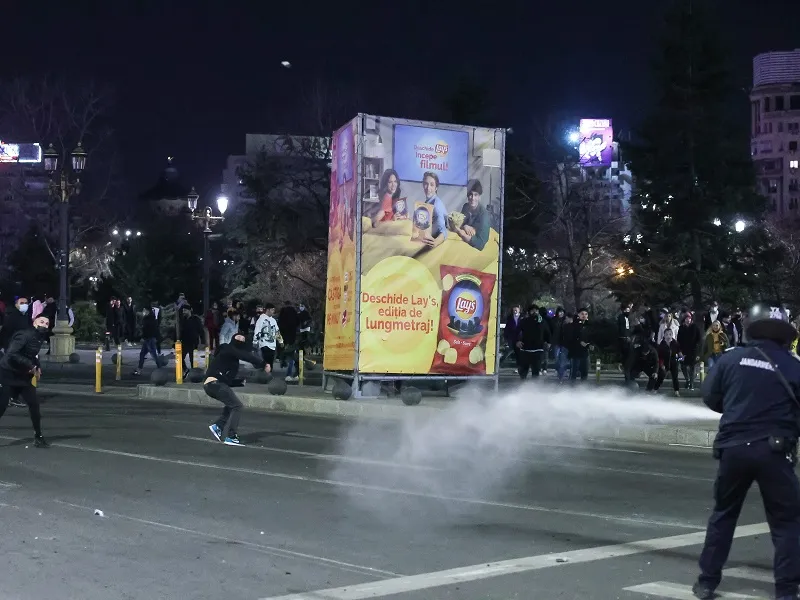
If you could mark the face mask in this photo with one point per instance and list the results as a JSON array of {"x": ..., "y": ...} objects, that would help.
[
  {"x": 42, "y": 329},
  {"x": 238, "y": 343},
  {"x": 23, "y": 308},
  {"x": 302, "y": 307}
]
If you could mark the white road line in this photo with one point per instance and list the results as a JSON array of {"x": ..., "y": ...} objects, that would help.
[
  {"x": 760, "y": 575},
  {"x": 334, "y": 457},
  {"x": 424, "y": 581},
  {"x": 690, "y": 446},
  {"x": 282, "y": 552},
  {"x": 385, "y": 490},
  {"x": 664, "y": 589}
]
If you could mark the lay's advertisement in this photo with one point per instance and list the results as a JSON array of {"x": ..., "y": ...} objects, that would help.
[
  {"x": 340, "y": 331},
  {"x": 430, "y": 248}
]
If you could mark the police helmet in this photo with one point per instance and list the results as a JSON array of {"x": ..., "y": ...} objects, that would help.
[{"x": 769, "y": 321}]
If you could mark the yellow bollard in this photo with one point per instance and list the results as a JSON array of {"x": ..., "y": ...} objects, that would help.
[
  {"x": 178, "y": 363},
  {"x": 207, "y": 358},
  {"x": 98, "y": 370},
  {"x": 702, "y": 371},
  {"x": 597, "y": 370},
  {"x": 194, "y": 359},
  {"x": 35, "y": 381},
  {"x": 300, "y": 366},
  {"x": 119, "y": 363}
]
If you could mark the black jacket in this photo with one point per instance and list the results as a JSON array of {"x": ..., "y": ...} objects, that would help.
[
  {"x": 749, "y": 394},
  {"x": 689, "y": 339},
  {"x": 15, "y": 321},
  {"x": 644, "y": 360},
  {"x": 533, "y": 332},
  {"x": 668, "y": 354},
  {"x": 191, "y": 331},
  {"x": 225, "y": 364},
  {"x": 624, "y": 325},
  {"x": 21, "y": 357},
  {"x": 149, "y": 327},
  {"x": 573, "y": 335}
]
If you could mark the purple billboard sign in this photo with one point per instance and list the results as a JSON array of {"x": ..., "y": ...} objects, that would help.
[{"x": 596, "y": 148}]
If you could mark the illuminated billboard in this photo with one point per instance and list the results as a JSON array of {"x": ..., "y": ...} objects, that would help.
[
  {"x": 596, "y": 143},
  {"x": 20, "y": 153}
]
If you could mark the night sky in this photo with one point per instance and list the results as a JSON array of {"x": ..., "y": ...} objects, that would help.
[{"x": 193, "y": 77}]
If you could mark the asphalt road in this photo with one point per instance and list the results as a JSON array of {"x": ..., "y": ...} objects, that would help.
[{"x": 291, "y": 513}]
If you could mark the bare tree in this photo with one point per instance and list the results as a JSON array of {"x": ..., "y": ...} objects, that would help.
[{"x": 64, "y": 112}]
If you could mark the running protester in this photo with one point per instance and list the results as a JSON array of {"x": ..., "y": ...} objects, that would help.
[
  {"x": 220, "y": 377},
  {"x": 18, "y": 367}
]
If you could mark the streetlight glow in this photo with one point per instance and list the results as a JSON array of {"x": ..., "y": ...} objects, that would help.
[
  {"x": 739, "y": 226},
  {"x": 222, "y": 204},
  {"x": 573, "y": 137},
  {"x": 115, "y": 232},
  {"x": 127, "y": 233}
]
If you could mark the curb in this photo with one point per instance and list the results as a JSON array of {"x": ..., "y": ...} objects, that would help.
[
  {"x": 660, "y": 435},
  {"x": 84, "y": 390}
]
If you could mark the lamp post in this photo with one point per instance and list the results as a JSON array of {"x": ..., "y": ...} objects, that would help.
[
  {"x": 206, "y": 220},
  {"x": 64, "y": 184}
]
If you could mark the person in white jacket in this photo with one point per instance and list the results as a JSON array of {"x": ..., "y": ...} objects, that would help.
[
  {"x": 267, "y": 335},
  {"x": 668, "y": 322}
]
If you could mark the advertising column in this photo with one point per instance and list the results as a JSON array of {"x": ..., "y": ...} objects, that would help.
[
  {"x": 340, "y": 346},
  {"x": 430, "y": 248}
]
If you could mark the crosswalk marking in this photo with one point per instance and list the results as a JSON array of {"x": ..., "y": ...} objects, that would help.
[
  {"x": 762, "y": 575},
  {"x": 665, "y": 589}
]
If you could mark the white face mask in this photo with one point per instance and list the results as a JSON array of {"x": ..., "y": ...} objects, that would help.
[
  {"x": 302, "y": 307},
  {"x": 23, "y": 308}
]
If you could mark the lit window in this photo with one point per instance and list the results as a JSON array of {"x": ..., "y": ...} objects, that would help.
[{"x": 794, "y": 164}]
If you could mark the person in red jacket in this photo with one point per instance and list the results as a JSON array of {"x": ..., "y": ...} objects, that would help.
[{"x": 669, "y": 359}]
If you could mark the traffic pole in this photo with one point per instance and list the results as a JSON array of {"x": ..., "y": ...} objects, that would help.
[
  {"x": 98, "y": 370},
  {"x": 207, "y": 359},
  {"x": 178, "y": 362},
  {"x": 300, "y": 366},
  {"x": 118, "y": 376},
  {"x": 597, "y": 370}
]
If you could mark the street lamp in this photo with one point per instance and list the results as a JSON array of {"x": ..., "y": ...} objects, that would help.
[
  {"x": 206, "y": 220},
  {"x": 739, "y": 226},
  {"x": 62, "y": 188}
]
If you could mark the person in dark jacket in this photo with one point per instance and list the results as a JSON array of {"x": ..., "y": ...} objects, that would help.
[
  {"x": 16, "y": 320},
  {"x": 511, "y": 331},
  {"x": 644, "y": 359},
  {"x": 192, "y": 333},
  {"x": 690, "y": 337},
  {"x": 129, "y": 319},
  {"x": 755, "y": 388},
  {"x": 579, "y": 346},
  {"x": 288, "y": 323},
  {"x": 18, "y": 367},
  {"x": 560, "y": 353},
  {"x": 624, "y": 332},
  {"x": 669, "y": 359},
  {"x": 220, "y": 377},
  {"x": 149, "y": 337},
  {"x": 532, "y": 336}
]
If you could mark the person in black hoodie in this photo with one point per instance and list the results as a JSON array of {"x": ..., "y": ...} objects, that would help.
[
  {"x": 644, "y": 359},
  {"x": 624, "y": 331},
  {"x": 192, "y": 334},
  {"x": 18, "y": 367},
  {"x": 560, "y": 354},
  {"x": 220, "y": 377},
  {"x": 149, "y": 337},
  {"x": 578, "y": 345},
  {"x": 16, "y": 320},
  {"x": 669, "y": 357},
  {"x": 689, "y": 339},
  {"x": 533, "y": 334}
]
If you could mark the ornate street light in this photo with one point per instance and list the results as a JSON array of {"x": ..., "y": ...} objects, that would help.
[
  {"x": 64, "y": 183},
  {"x": 206, "y": 219}
]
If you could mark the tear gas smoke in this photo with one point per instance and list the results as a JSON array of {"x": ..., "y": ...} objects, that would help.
[{"x": 476, "y": 446}]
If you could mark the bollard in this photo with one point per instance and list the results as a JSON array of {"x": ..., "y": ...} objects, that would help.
[
  {"x": 194, "y": 359},
  {"x": 35, "y": 380},
  {"x": 207, "y": 358},
  {"x": 300, "y": 366},
  {"x": 178, "y": 363},
  {"x": 597, "y": 370},
  {"x": 98, "y": 370},
  {"x": 119, "y": 363},
  {"x": 702, "y": 372}
]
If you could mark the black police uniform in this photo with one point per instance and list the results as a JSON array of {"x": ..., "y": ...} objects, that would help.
[{"x": 757, "y": 414}]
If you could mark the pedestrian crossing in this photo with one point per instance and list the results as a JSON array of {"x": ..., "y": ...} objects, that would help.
[{"x": 745, "y": 583}]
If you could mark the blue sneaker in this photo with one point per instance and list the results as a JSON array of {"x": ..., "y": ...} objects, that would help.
[
  {"x": 216, "y": 431},
  {"x": 233, "y": 440}
]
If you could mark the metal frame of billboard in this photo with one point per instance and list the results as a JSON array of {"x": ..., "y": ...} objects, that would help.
[{"x": 356, "y": 376}]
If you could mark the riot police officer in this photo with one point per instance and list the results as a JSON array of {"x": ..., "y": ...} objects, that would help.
[{"x": 757, "y": 390}]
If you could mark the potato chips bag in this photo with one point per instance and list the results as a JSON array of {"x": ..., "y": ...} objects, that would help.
[
  {"x": 422, "y": 221},
  {"x": 463, "y": 321}
]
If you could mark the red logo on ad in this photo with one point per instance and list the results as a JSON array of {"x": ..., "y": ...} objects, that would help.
[
  {"x": 466, "y": 306},
  {"x": 442, "y": 148}
]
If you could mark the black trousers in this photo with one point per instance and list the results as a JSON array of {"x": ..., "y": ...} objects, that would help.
[
  {"x": 739, "y": 467},
  {"x": 530, "y": 361},
  {"x": 28, "y": 393},
  {"x": 228, "y": 421},
  {"x": 625, "y": 353},
  {"x": 662, "y": 375}
]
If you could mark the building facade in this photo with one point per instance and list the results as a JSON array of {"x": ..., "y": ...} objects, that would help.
[{"x": 775, "y": 130}]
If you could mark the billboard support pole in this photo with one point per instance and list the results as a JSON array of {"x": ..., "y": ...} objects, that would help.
[
  {"x": 500, "y": 263},
  {"x": 361, "y": 120}
]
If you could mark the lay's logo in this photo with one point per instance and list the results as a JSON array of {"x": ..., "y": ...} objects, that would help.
[
  {"x": 466, "y": 306},
  {"x": 442, "y": 148}
]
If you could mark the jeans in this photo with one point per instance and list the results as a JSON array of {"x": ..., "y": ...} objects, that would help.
[
  {"x": 561, "y": 361},
  {"x": 739, "y": 467},
  {"x": 228, "y": 421},
  {"x": 712, "y": 360},
  {"x": 28, "y": 393},
  {"x": 579, "y": 364},
  {"x": 148, "y": 345}
]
